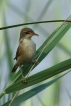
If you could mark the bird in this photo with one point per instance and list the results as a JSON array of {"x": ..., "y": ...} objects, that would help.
[{"x": 26, "y": 50}]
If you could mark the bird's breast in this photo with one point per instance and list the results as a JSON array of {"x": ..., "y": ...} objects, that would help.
[{"x": 29, "y": 50}]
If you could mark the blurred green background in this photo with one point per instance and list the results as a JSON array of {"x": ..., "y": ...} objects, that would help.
[{"x": 22, "y": 11}]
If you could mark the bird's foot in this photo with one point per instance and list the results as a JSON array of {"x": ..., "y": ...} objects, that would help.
[
  {"x": 35, "y": 62},
  {"x": 24, "y": 81}
]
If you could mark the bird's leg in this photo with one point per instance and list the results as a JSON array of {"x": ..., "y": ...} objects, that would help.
[
  {"x": 35, "y": 62},
  {"x": 23, "y": 78}
]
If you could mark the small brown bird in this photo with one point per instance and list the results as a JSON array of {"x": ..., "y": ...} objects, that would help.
[{"x": 26, "y": 50}]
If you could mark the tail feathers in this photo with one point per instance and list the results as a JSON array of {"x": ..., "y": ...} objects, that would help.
[{"x": 14, "y": 68}]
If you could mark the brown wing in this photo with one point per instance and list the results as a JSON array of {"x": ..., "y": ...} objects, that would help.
[{"x": 18, "y": 52}]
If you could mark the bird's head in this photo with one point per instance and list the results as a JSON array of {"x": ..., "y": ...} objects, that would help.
[{"x": 27, "y": 33}]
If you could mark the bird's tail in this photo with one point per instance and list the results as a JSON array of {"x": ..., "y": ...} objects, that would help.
[{"x": 14, "y": 68}]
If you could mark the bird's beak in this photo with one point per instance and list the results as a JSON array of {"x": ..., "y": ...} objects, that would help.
[{"x": 36, "y": 34}]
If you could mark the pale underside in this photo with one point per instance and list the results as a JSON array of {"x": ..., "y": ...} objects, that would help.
[{"x": 27, "y": 50}]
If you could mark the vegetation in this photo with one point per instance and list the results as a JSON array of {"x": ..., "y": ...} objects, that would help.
[{"x": 11, "y": 83}]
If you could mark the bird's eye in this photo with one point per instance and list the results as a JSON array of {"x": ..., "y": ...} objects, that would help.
[{"x": 27, "y": 32}]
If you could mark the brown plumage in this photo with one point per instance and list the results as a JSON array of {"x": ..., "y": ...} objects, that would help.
[{"x": 26, "y": 50}]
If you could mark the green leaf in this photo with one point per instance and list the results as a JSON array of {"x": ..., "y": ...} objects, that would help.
[
  {"x": 41, "y": 76},
  {"x": 33, "y": 92}
]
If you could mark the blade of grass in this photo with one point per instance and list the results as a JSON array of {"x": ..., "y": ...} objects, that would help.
[
  {"x": 41, "y": 102},
  {"x": 33, "y": 92},
  {"x": 41, "y": 76},
  {"x": 47, "y": 5},
  {"x": 8, "y": 55},
  {"x": 30, "y": 23},
  {"x": 57, "y": 94},
  {"x": 44, "y": 11},
  {"x": 57, "y": 85},
  {"x": 1, "y": 4},
  {"x": 27, "y": 10},
  {"x": 8, "y": 50},
  {"x": 68, "y": 93},
  {"x": 62, "y": 47}
]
